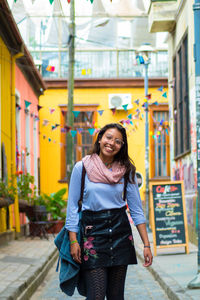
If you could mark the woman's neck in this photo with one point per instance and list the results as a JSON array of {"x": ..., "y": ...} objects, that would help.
[{"x": 106, "y": 160}]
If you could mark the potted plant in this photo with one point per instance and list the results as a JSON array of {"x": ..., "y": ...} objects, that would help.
[
  {"x": 7, "y": 194},
  {"x": 55, "y": 204}
]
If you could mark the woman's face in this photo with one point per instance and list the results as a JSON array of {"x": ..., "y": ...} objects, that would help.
[{"x": 110, "y": 143}]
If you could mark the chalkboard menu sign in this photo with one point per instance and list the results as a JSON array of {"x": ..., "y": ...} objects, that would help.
[{"x": 168, "y": 213}]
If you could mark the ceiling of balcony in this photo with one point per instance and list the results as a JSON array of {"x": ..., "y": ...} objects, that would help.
[{"x": 121, "y": 24}]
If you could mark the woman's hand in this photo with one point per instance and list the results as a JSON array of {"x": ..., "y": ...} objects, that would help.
[
  {"x": 148, "y": 257},
  {"x": 75, "y": 252}
]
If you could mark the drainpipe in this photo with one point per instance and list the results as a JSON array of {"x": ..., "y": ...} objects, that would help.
[
  {"x": 195, "y": 283},
  {"x": 13, "y": 140}
]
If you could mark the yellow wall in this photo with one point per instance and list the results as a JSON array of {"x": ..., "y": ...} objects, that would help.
[
  {"x": 5, "y": 76},
  {"x": 50, "y": 151}
]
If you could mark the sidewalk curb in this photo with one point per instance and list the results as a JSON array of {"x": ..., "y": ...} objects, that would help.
[
  {"x": 29, "y": 286},
  {"x": 171, "y": 287}
]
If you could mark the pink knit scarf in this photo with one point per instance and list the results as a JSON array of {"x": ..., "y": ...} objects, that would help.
[{"x": 98, "y": 172}]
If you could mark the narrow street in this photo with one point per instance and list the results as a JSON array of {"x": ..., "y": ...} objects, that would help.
[{"x": 140, "y": 284}]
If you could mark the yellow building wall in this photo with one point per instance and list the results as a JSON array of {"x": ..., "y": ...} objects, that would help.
[
  {"x": 50, "y": 154},
  {"x": 5, "y": 90}
]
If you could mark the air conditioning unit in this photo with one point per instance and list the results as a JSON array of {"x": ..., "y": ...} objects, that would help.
[{"x": 118, "y": 100}]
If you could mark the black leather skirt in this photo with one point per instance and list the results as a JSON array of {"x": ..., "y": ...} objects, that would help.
[{"x": 106, "y": 239}]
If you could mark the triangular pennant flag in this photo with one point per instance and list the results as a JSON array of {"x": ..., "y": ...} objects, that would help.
[
  {"x": 137, "y": 110},
  {"x": 51, "y": 1},
  {"x": 44, "y": 136},
  {"x": 63, "y": 130},
  {"x": 113, "y": 110},
  {"x": 91, "y": 131},
  {"x": 130, "y": 116},
  {"x": 36, "y": 118},
  {"x": 122, "y": 121},
  {"x": 83, "y": 72},
  {"x": 167, "y": 131},
  {"x": 137, "y": 101},
  {"x": 131, "y": 122},
  {"x": 100, "y": 112},
  {"x": 63, "y": 112},
  {"x": 89, "y": 114},
  {"x": 49, "y": 139},
  {"x": 164, "y": 95},
  {"x": 56, "y": 125},
  {"x": 18, "y": 106},
  {"x": 39, "y": 107},
  {"x": 148, "y": 97},
  {"x": 128, "y": 122},
  {"x": 31, "y": 115},
  {"x": 155, "y": 103},
  {"x": 73, "y": 133},
  {"x": 76, "y": 113},
  {"x": 27, "y": 103},
  {"x": 68, "y": 1},
  {"x": 125, "y": 106},
  {"x": 145, "y": 105},
  {"x": 53, "y": 127},
  {"x": 91, "y": 1},
  {"x": 51, "y": 110},
  {"x": 160, "y": 89}
]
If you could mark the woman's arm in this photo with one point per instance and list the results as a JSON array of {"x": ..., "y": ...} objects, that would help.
[{"x": 148, "y": 257}]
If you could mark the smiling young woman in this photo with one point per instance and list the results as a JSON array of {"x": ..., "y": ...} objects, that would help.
[{"x": 107, "y": 244}]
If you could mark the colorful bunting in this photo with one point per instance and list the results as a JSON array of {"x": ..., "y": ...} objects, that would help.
[
  {"x": 51, "y": 110},
  {"x": 50, "y": 68},
  {"x": 18, "y": 106},
  {"x": 113, "y": 110},
  {"x": 160, "y": 89},
  {"x": 73, "y": 133},
  {"x": 100, "y": 112},
  {"x": 155, "y": 103},
  {"x": 51, "y": 1},
  {"x": 164, "y": 95},
  {"x": 83, "y": 72},
  {"x": 76, "y": 113},
  {"x": 89, "y": 114},
  {"x": 130, "y": 116},
  {"x": 125, "y": 107},
  {"x": 137, "y": 101},
  {"x": 148, "y": 97},
  {"x": 91, "y": 131},
  {"x": 39, "y": 107},
  {"x": 27, "y": 103}
]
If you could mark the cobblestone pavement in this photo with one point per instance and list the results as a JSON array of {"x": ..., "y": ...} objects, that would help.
[{"x": 140, "y": 284}]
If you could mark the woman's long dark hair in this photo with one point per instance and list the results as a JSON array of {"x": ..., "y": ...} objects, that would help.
[{"x": 122, "y": 156}]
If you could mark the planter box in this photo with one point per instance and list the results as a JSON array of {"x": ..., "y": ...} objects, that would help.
[{"x": 56, "y": 226}]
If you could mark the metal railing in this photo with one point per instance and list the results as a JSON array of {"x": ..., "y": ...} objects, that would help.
[{"x": 100, "y": 64}]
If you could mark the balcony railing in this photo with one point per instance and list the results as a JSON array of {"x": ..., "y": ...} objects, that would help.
[{"x": 100, "y": 64}]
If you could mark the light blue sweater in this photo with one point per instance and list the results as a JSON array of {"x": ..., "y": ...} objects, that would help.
[{"x": 98, "y": 196}]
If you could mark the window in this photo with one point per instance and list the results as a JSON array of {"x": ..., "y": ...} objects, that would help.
[
  {"x": 83, "y": 140},
  {"x": 181, "y": 100},
  {"x": 159, "y": 142}
]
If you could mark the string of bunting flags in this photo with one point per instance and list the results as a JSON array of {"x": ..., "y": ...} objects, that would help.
[
  {"x": 160, "y": 127},
  {"x": 51, "y": 1}
]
